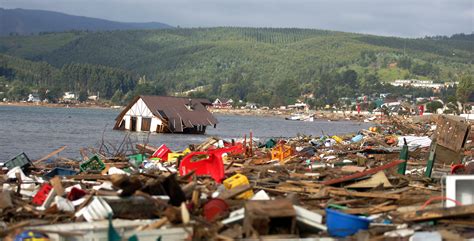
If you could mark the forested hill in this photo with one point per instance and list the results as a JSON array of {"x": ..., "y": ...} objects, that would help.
[
  {"x": 267, "y": 65},
  {"x": 24, "y": 21}
]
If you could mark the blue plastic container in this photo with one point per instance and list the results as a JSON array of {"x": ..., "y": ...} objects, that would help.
[
  {"x": 341, "y": 224},
  {"x": 58, "y": 171},
  {"x": 357, "y": 138}
]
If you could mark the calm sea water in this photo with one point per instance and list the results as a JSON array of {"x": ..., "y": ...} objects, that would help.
[{"x": 39, "y": 130}]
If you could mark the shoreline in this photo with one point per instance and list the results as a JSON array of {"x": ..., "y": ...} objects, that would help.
[
  {"x": 318, "y": 114},
  {"x": 55, "y": 105}
]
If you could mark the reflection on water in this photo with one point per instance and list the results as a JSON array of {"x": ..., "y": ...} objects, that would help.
[{"x": 40, "y": 130}]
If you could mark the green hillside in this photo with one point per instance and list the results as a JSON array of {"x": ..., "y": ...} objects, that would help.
[{"x": 252, "y": 63}]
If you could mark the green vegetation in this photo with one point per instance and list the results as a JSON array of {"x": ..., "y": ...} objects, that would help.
[
  {"x": 264, "y": 65},
  {"x": 465, "y": 90},
  {"x": 49, "y": 82}
]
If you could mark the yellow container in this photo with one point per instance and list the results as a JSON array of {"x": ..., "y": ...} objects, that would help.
[
  {"x": 173, "y": 156},
  {"x": 238, "y": 180},
  {"x": 281, "y": 152},
  {"x": 337, "y": 139}
]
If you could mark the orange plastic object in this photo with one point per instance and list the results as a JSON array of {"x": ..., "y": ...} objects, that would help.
[
  {"x": 281, "y": 152},
  {"x": 207, "y": 162}
]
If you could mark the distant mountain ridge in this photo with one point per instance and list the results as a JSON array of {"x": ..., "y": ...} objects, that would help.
[{"x": 24, "y": 22}]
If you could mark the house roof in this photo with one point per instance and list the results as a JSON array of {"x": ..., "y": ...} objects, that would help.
[
  {"x": 223, "y": 100},
  {"x": 204, "y": 101},
  {"x": 174, "y": 110}
]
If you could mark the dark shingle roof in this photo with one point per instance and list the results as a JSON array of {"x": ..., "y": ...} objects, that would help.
[{"x": 176, "y": 112}]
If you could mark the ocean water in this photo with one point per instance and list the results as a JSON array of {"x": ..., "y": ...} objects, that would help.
[{"x": 39, "y": 130}]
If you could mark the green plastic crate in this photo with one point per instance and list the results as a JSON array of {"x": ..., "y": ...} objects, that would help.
[
  {"x": 20, "y": 160},
  {"x": 137, "y": 159},
  {"x": 93, "y": 164}
]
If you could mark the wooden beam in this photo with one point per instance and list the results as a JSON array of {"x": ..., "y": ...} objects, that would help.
[
  {"x": 51, "y": 154},
  {"x": 289, "y": 188},
  {"x": 430, "y": 214},
  {"x": 365, "y": 194},
  {"x": 362, "y": 174}
]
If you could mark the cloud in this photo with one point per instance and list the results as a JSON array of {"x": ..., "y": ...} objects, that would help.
[{"x": 406, "y": 18}]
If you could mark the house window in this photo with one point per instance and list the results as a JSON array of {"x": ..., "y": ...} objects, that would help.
[{"x": 189, "y": 105}]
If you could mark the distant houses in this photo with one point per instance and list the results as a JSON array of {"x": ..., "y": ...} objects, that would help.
[
  {"x": 422, "y": 84},
  {"x": 222, "y": 103},
  {"x": 69, "y": 96},
  {"x": 33, "y": 98},
  {"x": 166, "y": 114}
]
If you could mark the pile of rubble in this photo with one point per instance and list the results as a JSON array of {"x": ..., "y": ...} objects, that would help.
[{"x": 394, "y": 181}]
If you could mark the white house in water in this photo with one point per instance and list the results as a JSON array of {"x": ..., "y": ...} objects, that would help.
[{"x": 166, "y": 114}]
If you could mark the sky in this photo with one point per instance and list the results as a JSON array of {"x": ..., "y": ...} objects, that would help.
[{"x": 403, "y": 18}]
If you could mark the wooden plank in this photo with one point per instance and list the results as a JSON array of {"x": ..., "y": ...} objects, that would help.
[
  {"x": 57, "y": 185},
  {"x": 51, "y": 154},
  {"x": 378, "y": 179},
  {"x": 446, "y": 156},
  {"x": 430, "y": 214},
  {"x": 371, "y": 210},
  {"x": 289, "y": 188},
  {"x": 451, "y": 133},
  {"x": 304, "y": 183},
  {"x": 146, "y": 148},
  {"x": 362, "y": 174},
  {"x": 364, "y": 194}
]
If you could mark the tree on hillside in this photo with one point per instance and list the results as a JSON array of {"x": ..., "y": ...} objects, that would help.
[
  {"x": 53, "y": 94},
  {"x": 465, "y": 89},
  {"x": 405, "y": 62},
  {"x": 150, "y": 89},
  {"x": 18, "y": 91},
  {"x": 433, "y": 106},
  {"x": 370, "y": 84},
  {"x": 82, "y": 96},
  {"x": 349, "y": 77}
]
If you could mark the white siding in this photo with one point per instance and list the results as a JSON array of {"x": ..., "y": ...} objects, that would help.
[
  {"x": 155, "y": 122},
  {"x": 139, "y": 110}
]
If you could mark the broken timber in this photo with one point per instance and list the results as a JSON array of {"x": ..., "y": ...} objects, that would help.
[
  {"x": 424, "y": 215},
  {"x": 362, "y": 174}
]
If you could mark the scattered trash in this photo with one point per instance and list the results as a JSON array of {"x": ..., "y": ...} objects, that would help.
[{"x": 361, "y": 186}]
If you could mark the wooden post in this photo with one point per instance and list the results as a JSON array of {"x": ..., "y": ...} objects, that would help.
[
  {"x": 245, "y": 144},
  {"x": 251, "y": 144}
]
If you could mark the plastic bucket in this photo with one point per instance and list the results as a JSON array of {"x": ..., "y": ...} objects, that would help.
[
  {"x": 215, "y": 208},
  {"x": 341, "y": 224}
]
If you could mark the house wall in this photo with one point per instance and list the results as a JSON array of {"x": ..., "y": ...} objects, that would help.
[{"x": 141, "y": 110}]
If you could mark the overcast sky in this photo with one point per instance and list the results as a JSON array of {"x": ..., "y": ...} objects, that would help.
[{"x": 406, "y": 18}]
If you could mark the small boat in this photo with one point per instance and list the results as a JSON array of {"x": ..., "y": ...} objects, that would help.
[{"x": 300, "y": 117}]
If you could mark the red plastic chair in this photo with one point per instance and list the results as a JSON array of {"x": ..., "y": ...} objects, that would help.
[{"x": 211, "y": 165}]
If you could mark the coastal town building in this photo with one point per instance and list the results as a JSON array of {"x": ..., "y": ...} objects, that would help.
[
  {"x": 299, "y": 106},
  {"x": 166, "y": 114},
  {"x": 33, "y": 98},
  {"x": 422, "y": 84},
  {"x": 68, "y": 96},
  {"x": 222, "y": 103}
]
